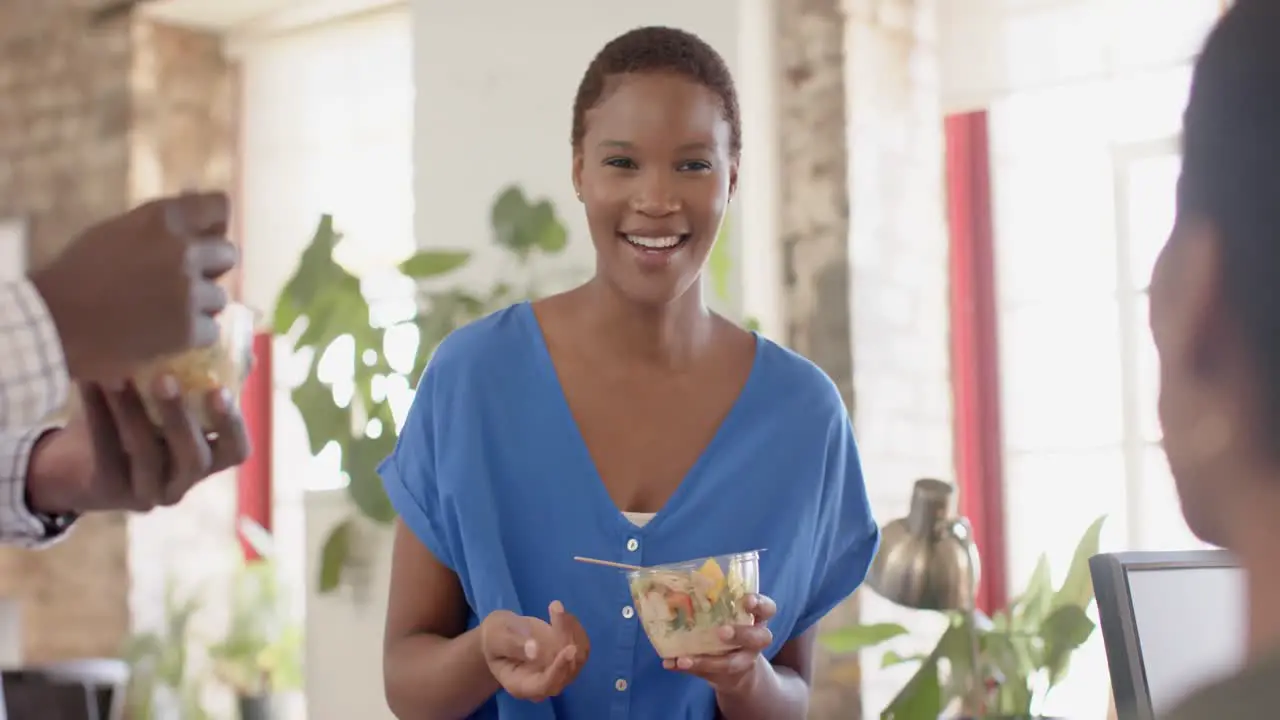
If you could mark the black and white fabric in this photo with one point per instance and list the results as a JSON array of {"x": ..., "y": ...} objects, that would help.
[{"x": 33, "y": 387}]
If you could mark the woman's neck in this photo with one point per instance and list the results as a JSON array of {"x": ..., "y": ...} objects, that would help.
[{"x": 670, "y": 335}]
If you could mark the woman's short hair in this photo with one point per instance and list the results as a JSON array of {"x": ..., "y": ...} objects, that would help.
[{"x": 658, "y": 49}]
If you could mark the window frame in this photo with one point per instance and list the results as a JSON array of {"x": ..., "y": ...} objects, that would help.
[{"x": 1124, "y": 158}]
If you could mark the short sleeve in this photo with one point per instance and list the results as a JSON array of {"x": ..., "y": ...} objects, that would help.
[
  {"x": 19, "y": 524},
  {"x": 846, "y": 534},
  {"x": 409, "y": 474},
  {"x": 33, "y": 370}
]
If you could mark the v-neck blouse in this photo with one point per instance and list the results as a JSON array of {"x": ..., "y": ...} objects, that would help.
[{"x": 492, "y": 475}]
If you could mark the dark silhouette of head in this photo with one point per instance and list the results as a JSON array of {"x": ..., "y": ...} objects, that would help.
[{"x": 1215, "y": 301}]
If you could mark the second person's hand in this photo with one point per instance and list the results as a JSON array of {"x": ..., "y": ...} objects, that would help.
[
  {"x": 533, "y": 659},
  {"x": 140, "y": 285},
  {"x": 111, "y": 457}
]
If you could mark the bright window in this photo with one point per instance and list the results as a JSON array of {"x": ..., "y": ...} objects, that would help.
[{"x": 1081, "y": 210}]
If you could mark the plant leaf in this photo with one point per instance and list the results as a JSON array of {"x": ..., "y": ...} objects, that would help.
[
  {"x": 507, "y": 216},
  {"x": 552, "y": 236},
  {"x": 286, "y": 314},
  {"x": 1013, "y": 669},
  {"x": 522, "y": 227},
  {"x": 339, "y": 309},
  {"x": 891, "y": 658},
  {"x": 955, "y": 647},
  {"x": 920, "y": 698},
  {"x": 325, "y": 421},
  {"x": 333, "y": 556},
  {"x": 432, "y": 263},
  {"x": 366, "y": 489},
  {"x": 1065, "y": 630},
  {"x": 1077, "y": 588},
  {"x": 316, "y": 268},
  {"x": 856, "y": 637},
  {"x": 1033, "y": 604}
]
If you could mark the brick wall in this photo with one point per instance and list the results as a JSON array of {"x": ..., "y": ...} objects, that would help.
[
  {"x": 899, "y": 249},
  {"x": 71, "y": 92},
  {"x": 814, "y": 198},
  {"x": 865, "y": 262}
]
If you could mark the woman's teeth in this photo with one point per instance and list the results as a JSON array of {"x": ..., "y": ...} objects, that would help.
[{"x": 654, "y": 243}]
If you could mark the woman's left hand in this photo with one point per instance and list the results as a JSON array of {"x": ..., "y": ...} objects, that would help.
[{"x": 731, "y": 670}]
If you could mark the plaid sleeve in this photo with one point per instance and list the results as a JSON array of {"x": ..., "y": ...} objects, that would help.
[
  {"x": 18, "y": 524},
  {"x": 33, "y": 370},
  {"x": 33, "y": 386}
]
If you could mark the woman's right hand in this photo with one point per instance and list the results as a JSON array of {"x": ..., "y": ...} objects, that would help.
[{"x": 531, "y": 658}]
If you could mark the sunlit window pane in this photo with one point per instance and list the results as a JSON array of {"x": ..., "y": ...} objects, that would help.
[
  {"x": 1052, "y": 497},
  {"x": 1046, "y": 247},
  {"x": 1060, "y": 375},
  {"x": 1147, "y": 390},
  {"x": 1159, "y": 520},
  {"x": 1149, "y": 194}
]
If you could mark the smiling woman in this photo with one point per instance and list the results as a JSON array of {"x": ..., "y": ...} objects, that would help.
[{"x": 624, "y": 421}]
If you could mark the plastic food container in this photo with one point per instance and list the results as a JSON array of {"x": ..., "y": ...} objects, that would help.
[
  {"x": 683, "y": 605},
  {"x": 225, "y": 364}
]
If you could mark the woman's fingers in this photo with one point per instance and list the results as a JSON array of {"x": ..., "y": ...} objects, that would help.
[
  {"x": 761, "y": 607},
  {"x": 559, "y": 673},
  {"x": 514, "y": 642},
  {"x": 754, "y": 638}
]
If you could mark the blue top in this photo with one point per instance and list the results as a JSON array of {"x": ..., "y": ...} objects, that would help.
[{"x": 492, "y": 475}]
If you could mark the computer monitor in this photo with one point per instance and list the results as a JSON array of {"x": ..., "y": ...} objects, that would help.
[{"x": 1171, "y": 622}]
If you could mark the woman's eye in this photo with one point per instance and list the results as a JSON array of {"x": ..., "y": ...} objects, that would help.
[
  {"x": 620, "y": 162},
  {"x": 696, "y": 165}
]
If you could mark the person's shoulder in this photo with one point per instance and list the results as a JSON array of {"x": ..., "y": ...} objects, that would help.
[
  {"x": 1253, "y": 693},
  {"x": 798, "y": 383},
  {"x": 488, "y": 344}
]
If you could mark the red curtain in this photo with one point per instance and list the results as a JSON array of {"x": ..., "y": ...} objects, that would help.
[
  {"x": 253, "y": 499},
  {"x": 974, "y": 358}
]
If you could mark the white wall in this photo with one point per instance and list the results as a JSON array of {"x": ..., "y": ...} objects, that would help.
[
  {"x": 327, "y": 127},
  {"x": 898, "y": 248}
]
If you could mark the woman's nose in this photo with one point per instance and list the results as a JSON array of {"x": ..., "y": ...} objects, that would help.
[{"x": 655, "y": 196}]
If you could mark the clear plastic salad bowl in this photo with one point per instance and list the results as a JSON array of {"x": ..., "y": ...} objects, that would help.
[{"x": 683, "y": 605}]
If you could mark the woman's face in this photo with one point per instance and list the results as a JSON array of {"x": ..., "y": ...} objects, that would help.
[
  {"x": 1196, "y": 421},
  {"x": 655, "y": 174}
]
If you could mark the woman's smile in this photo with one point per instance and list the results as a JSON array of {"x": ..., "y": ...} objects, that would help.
[{"x": 655, "y": 250}]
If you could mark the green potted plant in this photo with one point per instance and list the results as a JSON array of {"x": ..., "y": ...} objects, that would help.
[
  {"x": 260, "y": 656},
  {"x": 163, "y": 680},
  {"x": 1023, "y": 651},
  {"x": 322, "y": 303}
]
